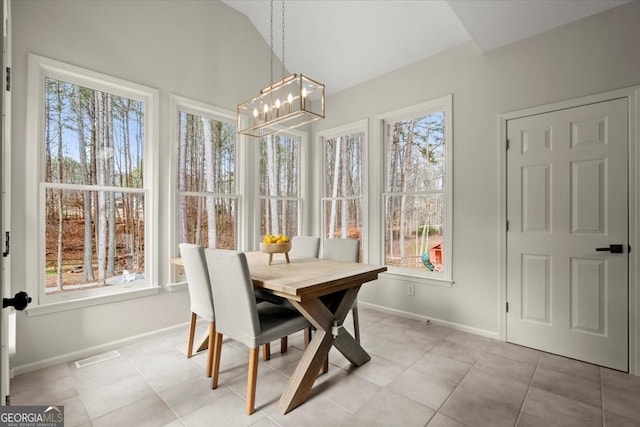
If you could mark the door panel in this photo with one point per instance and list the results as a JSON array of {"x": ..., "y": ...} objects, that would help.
[{"x": 567, "y": 195}]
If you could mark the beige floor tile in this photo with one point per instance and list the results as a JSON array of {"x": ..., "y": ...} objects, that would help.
[
  {"x": 75, "y": 413},
  {"x": 190, "y": 395},
  {"x": 571, "y": 367},
  {"x": 115, "y": 396},
  {"x": 355, "y": 421},
  {"x": 473, "y": 341},
  {"x": 392, "y": 409},
  {"x": 345, "y": 389},
  {"x": 164, "y": 375},
  {"x": 269, "y": 386},
  {"x": 315, "y": 412},
  {"x": 150, "y": 411},
  {"x": 228, "y": 410},
  {"x": 568, "y": 386},
  {"x": 513, "y": 351},
  {"x": 441, "y": 367},
  {"x": 404, "y": 355},
  {"x": 39, "y": 377},
  {"x": 101, "y": 374},
  {"x": 483, "y": 399},
  {"x": 543, "y": 408},
  {"x": 440, "y": 420},
  {"x": 421, "y": 388},
  {"x": 508, "y": 368},
  {"x": 377, "y": 370},
  {"x": 456, "y": 351},
  {"x": 48, "y": 393},
  {"x": 621, "y": 394},
  {"x": 612, "y": 419}
]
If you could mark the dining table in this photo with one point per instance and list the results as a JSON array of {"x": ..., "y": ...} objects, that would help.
[{"x": 323, "y": 291}]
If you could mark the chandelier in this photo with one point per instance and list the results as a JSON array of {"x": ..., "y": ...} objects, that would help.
[{"x": 292, "y": 102}]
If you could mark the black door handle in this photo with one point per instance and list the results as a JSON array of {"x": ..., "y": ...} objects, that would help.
[
  {"x": 19, "y": 301},
  {"x": 614, "y": 249}
]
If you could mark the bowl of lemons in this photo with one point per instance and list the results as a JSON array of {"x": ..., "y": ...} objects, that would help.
[{"x": 276, "y": 244}]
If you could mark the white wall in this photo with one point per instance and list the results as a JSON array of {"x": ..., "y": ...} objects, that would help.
[
  {"x": 203, "y": 50},
  {"x": 206, "y": 51},
  {"x": 597, "y": 54}
]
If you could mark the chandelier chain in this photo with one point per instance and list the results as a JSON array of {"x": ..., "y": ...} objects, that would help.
[
  {"x": 283, "y": 39},
  {"x": 271, "y": 44}
]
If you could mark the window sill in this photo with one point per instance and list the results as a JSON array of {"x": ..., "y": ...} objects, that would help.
[
  {"x": 406, "y": 277},
  {"x": 56, "y": 307},
  {"x": 177, "y": 287}
]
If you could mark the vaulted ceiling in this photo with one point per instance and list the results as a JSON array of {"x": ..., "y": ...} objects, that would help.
[{"x": 345, "y": 42}]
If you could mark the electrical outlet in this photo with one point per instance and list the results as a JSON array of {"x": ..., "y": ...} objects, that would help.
[{"x": 411, "y": 290}]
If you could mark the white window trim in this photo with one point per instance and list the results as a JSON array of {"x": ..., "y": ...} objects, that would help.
[
  {"x": 303, "y": 159},
  {"x": 178, "y": 104},
  {"x": 445, "y": 278},
  {"x": 39, "y": 68},
  {"x": 346, "y": 129}
]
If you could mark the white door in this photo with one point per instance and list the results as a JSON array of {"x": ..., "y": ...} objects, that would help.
[{"x": 567, "y": 203}]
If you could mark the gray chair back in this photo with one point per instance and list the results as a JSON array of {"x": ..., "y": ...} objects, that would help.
[
  {"x": 195, "y": 268},
  {"x": 232, "y": 289},
  {"x": 305, "y": 247},
  {"x": 347, "y": 250}
]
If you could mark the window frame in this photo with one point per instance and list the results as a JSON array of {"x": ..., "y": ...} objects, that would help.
[
  {"x": 349, "y": 128},
  {"x": 41, "y": 68},
  {"x": 442, "y": 104},
  {"x": 187, "y": 105}
]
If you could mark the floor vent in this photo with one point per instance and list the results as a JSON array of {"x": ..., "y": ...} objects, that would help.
[{"x": 97, "y": 359}]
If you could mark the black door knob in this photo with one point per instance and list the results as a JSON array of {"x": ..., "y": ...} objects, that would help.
[{"x": 19, "y": 301}]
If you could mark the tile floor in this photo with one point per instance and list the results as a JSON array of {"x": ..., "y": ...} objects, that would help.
[{"x": 419, "y": 374}]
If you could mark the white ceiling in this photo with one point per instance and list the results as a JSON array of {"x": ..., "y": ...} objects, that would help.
[{"x": 345, "y": 42}]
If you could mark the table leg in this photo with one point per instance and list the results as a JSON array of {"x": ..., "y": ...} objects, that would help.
[
  {"x": 326, "y": 323},
  {"x": 204, "y": 344}
]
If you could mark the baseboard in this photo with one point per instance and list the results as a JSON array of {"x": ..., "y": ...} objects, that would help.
[
  {"x": 91, "y": 351},
  {"x": 452, "y": 325}
]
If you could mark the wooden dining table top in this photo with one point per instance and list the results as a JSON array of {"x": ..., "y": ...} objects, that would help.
[{"x": 305, "y": 278}]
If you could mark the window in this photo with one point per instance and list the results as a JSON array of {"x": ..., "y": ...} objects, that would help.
[
  {"x": 279, "y": 194},
  {"x": 95, "y": 198},
  {"x": 206, "y": 181},
  {"x": 417, "y": 202},
  {"x": 343, "y": 196}
]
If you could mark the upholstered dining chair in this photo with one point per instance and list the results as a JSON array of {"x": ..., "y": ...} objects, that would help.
[
  {"x": 347, "y": 250},
  {"x": 240, "y": 318},
  {"x": 305, "y": 247},
  {"x": 195, "y": 268}
]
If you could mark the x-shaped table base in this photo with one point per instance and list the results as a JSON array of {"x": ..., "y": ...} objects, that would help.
[{"x": 329, "y": 332}]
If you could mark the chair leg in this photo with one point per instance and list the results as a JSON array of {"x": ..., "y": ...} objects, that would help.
[
  {"x": 192, "y": 331},
  {"x": 251, "y": 381},
  {"x": 356, "y": 323},
  {"x": 266, "y": 351},
  {"x": 283, "y": 344},
  {"x": 217, "y": 348},
  {"x": 210, "y": 347},
  {"x": 325, "y": 365}
]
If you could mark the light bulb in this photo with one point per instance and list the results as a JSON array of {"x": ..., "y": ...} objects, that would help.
[
  {"x": 304, "y": 92},
  {"x": 266, "y": 108},
  {"x": 278, "y": 103},
  {"x": 290, "y": 98},
  {"x": 255, "y": 112}
]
